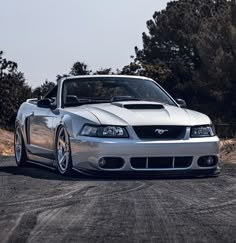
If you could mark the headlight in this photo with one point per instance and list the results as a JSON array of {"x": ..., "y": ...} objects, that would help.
[
  {"x": 104, "y": 131},
  {"x": 203, "y": 131}
]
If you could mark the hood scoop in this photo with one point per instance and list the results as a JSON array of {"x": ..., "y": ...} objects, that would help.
[{"x": 140, "y": 106}]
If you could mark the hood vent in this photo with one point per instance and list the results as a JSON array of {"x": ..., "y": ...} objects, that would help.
[{"x": 140, "y": 106}]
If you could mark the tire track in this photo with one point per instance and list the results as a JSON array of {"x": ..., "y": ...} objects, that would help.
[
  {"x": 21, "y": 232},
  {"x": 69, "y": 195},
  {"x": 42, "y": 220},
  {"x": 55, "y": 197}
]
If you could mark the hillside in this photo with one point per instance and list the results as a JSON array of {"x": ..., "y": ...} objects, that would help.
[
  {"x": 228, "y": 150},
  {"x": 6, "y": 142}
]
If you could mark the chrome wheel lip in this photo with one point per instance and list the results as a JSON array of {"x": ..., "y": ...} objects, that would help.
[
  {"x": 63, "y": 150},
  {"x": 18, "y": 144}
]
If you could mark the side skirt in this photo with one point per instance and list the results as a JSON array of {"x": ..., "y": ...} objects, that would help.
[{"x": 41, "y": 164}]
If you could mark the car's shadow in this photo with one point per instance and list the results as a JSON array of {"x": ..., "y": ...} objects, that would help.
[
  {"x": 39, "y": 172},
  {"x": 34, "y": 171}
]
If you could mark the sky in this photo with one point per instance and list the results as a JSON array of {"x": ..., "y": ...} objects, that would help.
[{"x": 45, "y": 37}]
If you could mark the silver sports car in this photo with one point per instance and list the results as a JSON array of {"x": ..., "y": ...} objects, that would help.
[{"x": 114, "y": 123}]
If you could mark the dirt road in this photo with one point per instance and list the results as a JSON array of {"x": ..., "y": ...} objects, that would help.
[{"x": 37, "y": 205}]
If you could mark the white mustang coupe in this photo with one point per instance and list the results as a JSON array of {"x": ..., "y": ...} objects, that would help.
[{"x": 112, "y": 124}]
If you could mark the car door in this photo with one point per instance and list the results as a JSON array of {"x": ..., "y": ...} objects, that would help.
[{"x": 40, "y": 131}]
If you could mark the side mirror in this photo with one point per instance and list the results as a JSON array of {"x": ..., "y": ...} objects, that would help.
[
  {"x": 45, "y": 103},
  {"x": 181, "y": 103}
]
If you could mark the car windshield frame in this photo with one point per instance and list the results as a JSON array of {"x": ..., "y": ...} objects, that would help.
[{"x": 127, "y": 83}]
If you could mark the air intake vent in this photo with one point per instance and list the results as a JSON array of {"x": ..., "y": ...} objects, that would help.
[
  {"x": 161, "y": 162},
  {"x": 143, "y": 106}
]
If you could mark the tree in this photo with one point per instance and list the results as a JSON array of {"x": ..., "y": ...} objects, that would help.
[
  {"x": 79, "y": 68},
  {"x": 190, "y": 49},
  {"x": 104, "y": 71},
  {"x": 58, "y": 77},
  {"x": 217, "y": 51},
  {"x": 13, "y": 91},
  {"x": 43, "y": 89}
]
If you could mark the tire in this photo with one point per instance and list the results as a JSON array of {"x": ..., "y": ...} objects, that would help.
[
  {"x": 63, "y": 152},
  {"x": 19, "y": 148}
]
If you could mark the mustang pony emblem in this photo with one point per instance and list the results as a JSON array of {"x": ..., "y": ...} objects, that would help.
[{"x": 161, "y": 131}]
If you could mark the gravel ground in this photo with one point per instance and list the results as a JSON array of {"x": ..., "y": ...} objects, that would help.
[{"x": 38, "y": 205}]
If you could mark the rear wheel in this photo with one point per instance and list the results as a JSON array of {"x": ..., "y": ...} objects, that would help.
[
  {"x": 19, "y": 147},
  {"x": 63, "y": 152}
]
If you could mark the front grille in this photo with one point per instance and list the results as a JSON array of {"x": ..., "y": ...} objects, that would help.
[
  {"x": 160, "y": 132},
  {"x": 160, "y": 162}
]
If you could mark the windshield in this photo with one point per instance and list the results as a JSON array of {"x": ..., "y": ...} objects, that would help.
[{"x": 108, "y": 89}]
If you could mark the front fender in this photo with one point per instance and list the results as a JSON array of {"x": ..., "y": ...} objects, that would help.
[{"x": 73, "y": 123}]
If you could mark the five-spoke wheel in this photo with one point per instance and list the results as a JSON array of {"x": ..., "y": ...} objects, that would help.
[
  {"x": 19, "y": 147},
  {"x": 63, "y": 152}
]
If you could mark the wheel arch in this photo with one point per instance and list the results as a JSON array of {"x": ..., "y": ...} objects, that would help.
[{"x": 22, "y": 127}]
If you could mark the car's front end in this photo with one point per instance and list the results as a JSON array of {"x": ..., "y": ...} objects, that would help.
[
  {"x": 161, "y": 140},
  {"x": 199, "y": 155}
]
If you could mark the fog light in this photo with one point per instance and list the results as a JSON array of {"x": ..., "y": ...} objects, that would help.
[
  {"x": 111, "y": 163},
  {"x": 207, "y": 161},
  {"x": 102, "y": 162},
  {"x": 210, "y": 160}
]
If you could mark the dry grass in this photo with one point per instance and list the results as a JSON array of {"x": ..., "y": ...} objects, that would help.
[
  {"x": 6, "y": 143},
  {"x": 228, "y": 150}
]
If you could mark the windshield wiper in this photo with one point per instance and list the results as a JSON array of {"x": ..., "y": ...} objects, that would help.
[{"x": 80, "y": 102}]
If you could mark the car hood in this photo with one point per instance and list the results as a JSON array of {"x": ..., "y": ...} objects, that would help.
[{"x": 138, "y": 113}]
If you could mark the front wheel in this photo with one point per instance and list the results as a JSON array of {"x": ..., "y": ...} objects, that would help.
[
  {"x": 19, "y": 148},
  {"x": 63, "y": 152}
]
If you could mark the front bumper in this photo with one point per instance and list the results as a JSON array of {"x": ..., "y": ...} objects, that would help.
[{"x": 87, "y": 151}]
